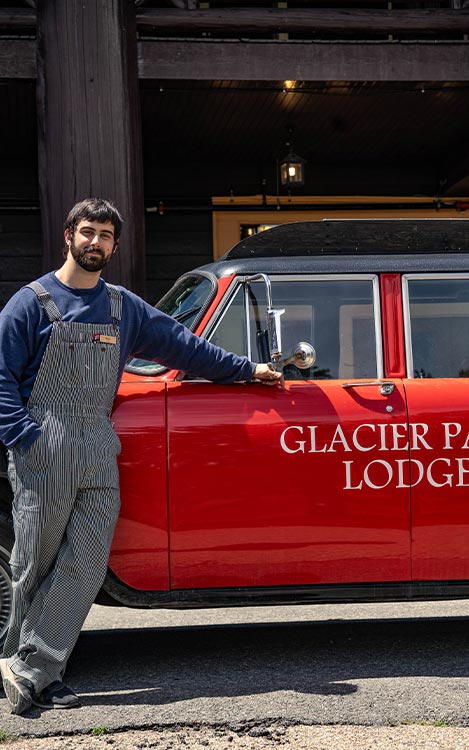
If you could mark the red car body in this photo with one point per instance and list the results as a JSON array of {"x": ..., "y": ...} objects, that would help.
[
  {"x": 328, "y": 489},
  {"x": 348, "y": 484}
]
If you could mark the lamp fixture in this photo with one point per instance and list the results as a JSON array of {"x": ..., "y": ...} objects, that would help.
[{"x": 292, "y": 169}]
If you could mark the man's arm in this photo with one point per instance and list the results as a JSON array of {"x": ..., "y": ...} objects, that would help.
[
  {"x": 18, "y": 323},
  {"x": 163, "y": 339}
]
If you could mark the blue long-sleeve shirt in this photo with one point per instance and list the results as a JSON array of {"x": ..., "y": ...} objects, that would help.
[{"x": 144, "y": 332}]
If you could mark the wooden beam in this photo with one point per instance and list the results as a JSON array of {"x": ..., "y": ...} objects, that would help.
[
  {"x": 17, "y": 18},
  {"x": 313, "y": 61},
  {"x": 303, "y": 61},
  {"x": 307, "y": 20},
  {"x": 277, "y": 20},
  {"x": 89, "y": 124},
  {"x": 17, "y": 58}
]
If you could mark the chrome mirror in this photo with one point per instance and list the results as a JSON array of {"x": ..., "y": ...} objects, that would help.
[
  {"x": 303, "y": 356},
  {"x": 275, "y": 334}
]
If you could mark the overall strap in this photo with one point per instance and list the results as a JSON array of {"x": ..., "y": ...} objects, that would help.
[
  {"x": 115, "y": 300},
  {"x": 45, "y": 300}
]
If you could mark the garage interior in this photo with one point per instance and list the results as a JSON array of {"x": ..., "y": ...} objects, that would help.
[{"x": 211, "y": 146}]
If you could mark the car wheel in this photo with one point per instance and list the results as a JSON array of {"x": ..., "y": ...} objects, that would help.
[
  {"x": 6, "y": 545},
  {"x": 5, "y": 598}
]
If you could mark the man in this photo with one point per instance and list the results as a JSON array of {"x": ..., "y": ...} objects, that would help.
[{"x": 64, "y": 342}]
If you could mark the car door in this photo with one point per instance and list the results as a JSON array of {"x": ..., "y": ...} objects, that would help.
[
  {"x": 307, "y": 485},
  {"x": 139, "y": 554},
  {"x": 436, "y": 315}
]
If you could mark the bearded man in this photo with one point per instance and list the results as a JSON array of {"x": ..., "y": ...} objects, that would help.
[{"x": 64, "y": 341}]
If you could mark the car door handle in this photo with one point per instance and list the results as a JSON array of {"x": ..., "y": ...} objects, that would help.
[{"x": 385, "y": 388}]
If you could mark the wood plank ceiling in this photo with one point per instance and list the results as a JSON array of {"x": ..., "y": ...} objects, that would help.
[
  {"x": 367, "y": 129},
  {"x": 211, "y": 137}
]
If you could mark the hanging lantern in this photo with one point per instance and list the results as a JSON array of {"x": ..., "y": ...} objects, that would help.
[{"x": 292, "y": 170}]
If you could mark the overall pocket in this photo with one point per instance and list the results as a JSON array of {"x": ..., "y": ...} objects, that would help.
[
  {"x": 86, "y": 365},
  {"x": 40, "y": 455}
]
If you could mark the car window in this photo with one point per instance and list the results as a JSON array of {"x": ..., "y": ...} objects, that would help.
[
  {"x": 336, "y": 316},
  {"x": 186, "y": 301},
  {"x": 436, "y": 313}
]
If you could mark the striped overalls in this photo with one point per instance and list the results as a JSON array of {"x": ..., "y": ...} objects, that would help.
[{"x": 66, "y": 493}]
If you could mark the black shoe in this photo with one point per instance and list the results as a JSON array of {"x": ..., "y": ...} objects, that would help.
[
  {"x": 56, "y": 695},
  {"x": 18, "y": 690}
]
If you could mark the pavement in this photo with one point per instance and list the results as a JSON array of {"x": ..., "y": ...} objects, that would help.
[{"x": 247, "y": 668}]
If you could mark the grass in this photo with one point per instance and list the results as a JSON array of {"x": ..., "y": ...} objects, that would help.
[
  {"x": 99, "y": 731},
  {"x": 4, "y": 736}
]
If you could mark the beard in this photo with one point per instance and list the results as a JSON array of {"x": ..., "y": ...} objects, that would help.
[{"x": 89, "y": 262}]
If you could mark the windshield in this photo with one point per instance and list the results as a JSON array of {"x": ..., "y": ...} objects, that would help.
[{"x": 186, "y": 301}]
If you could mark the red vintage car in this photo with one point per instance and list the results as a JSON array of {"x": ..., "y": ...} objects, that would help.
[{"x": 352, "y": 483}]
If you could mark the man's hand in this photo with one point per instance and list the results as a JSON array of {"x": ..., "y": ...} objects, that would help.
[{"x": 266, "y": 375}]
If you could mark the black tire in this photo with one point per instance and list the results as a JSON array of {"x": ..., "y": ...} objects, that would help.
[
  {"x": 5, "y": 600},
  {"x": 6, "y": 544},
  {"x": 6, "y": 494}
]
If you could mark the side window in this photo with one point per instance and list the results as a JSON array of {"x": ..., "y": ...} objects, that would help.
[
  {"x": 336, "y": 316},
  {"x": 437, "y": 319},
  {"x": 230, "y": 332}
]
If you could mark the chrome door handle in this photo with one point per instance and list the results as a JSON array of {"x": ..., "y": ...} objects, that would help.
[{"x": 385, "y": 388}]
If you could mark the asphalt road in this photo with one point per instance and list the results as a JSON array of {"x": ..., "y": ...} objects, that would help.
[{"x": 335, "y": 664}]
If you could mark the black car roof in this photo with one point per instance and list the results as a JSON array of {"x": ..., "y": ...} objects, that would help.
[{"x": 351, "y": 246}]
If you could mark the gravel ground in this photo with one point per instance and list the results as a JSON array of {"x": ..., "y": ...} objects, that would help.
[{"x": 273, "y": 737}]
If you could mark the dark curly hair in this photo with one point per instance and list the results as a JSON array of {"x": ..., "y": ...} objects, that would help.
[{"x": 94, "y": 209}]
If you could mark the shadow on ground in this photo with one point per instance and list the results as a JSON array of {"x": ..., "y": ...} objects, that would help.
[{"x": 325, "y": 658}]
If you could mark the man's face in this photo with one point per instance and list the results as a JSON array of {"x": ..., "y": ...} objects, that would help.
[{"x": 92, "y": 245}]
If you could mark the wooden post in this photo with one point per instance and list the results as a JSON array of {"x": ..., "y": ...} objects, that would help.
[{"x": 89, "y": 124}]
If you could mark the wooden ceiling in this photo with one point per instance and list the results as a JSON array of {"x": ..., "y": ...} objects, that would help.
[
  {"x": 216, "y": 137},
  {"x": 206, "y": 137},
  {"x": 368, "y": 138}
]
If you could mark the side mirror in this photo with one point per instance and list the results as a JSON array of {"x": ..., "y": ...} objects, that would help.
[{"x": 303, "y": 356}]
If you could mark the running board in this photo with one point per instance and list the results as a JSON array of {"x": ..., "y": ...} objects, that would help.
[{"x": 277, "y": 595}]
